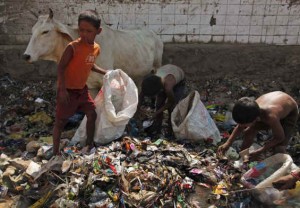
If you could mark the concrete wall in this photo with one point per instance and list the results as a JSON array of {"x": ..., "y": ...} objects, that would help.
[{"x": 275, "y": 22}]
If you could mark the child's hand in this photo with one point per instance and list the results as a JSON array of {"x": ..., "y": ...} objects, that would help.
[
  {"x": 222, "y": 149},
  {"x": 256, "y": 155},
  {"x": 152, "y": 117},
  {"x": 285, "y": 182}
]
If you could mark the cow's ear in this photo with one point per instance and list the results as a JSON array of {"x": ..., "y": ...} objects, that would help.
[{"x": 67, "y": 31}]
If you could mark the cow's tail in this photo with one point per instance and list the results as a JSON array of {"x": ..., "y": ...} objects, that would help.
[{"x": 159, "y": 47}]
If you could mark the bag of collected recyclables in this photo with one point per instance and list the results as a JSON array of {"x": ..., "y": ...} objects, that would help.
[
  {"x": 261, "y": 176},
  {"x": 191, "y": 120},
  {"x": 115, "y": 103}
]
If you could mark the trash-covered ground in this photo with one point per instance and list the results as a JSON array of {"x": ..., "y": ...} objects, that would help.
[{"x": 133, "y": 171}]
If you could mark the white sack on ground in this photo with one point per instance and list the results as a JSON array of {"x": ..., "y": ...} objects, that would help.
[
  {"x": 260, "y": 178},
  {"x": 116, "y": 103},
  {"x": 191, "y": 120}
]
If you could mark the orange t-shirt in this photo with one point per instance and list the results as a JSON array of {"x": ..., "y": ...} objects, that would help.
[{"x": 79, "y": 68}]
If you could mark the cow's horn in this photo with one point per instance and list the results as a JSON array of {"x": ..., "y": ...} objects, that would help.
[{"x": 50, "y": 13}]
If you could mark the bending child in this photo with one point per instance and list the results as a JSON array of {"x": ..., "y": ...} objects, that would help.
[
  {"x": 275, "y": 110},
  {"x": 167, "y": 86}
]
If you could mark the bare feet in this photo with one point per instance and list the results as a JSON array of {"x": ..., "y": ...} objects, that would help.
[{"x": 87, "y": 149}]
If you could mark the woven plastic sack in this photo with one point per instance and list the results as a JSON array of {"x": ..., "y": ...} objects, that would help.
[
  {"x": 190, "y": 120},
  {"x": 116, "y": 103}
]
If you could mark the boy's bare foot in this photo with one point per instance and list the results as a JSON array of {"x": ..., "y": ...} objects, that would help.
[{"x": 87, "y": 149}]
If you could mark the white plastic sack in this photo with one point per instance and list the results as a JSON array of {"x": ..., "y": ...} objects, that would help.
[
  {"x": 191, "y": 120},
  {"x": 116, "y": 103},
  {"x": 264, "y": 173}
]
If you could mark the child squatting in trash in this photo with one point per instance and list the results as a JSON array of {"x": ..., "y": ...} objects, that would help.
[
  {"x": 276, "y": 110},
  {"x": 167, "y": 86}
]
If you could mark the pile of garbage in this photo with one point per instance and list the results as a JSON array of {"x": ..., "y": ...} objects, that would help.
[{"x": 135, "y": 170}]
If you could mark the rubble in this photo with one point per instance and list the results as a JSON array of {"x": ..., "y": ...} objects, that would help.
[{"x": 137, "y": 170}]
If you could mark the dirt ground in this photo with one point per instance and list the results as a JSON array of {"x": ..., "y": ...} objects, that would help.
[{"x": 226, "y": 69}]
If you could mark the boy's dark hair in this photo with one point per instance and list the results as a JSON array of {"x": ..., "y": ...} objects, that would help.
[
  {"x": 151, "y": 85},
  {"x": 90, "y": 16},
  {"x": 245, "y": 110}
]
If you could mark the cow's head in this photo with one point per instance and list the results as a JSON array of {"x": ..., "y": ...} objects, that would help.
[{"x": 48, "y": 40}]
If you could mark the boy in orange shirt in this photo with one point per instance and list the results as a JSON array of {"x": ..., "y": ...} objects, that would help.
[{"x": 74, "y": 67}]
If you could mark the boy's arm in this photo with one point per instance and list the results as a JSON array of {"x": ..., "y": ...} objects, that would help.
[
  {"x": 98, "y": 69},
  {"x": 140, "y": 101},
  {"x": 139, "y": 110},
  {"x": 64, "y": 61},
  {"x": 288, "y": 181},
  {"x": 278, "y": 135},
  {"x": 170, "y": 99},
  {"x": 236, "y": 132}
]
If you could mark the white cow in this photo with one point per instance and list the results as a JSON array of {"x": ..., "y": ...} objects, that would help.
[{"x": 136, "y": 52}]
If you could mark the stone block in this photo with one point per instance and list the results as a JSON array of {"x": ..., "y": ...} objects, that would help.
[
  {"x": 245, "y": 9},
  {"x": 256, "y": 20},
  {"x": 218, "y": 30},
  {"x": 193, "y": 19},
  {"x": 218, "y": 38},
  {"x": 293, "y": 30},
  {"x": 181, "y": 19},
  {"x": 220, "y": 19},
  {"x": 141, "y": 19},
  {"x": 221, "y": 9},
  {"x": 168, "y": 9},
  {"x": 254, "y": 38},
  {"x": 141, "y": 8},
  {"x": 230, "y": 38},
  {"x": 232, "y": 20},
  {"x": 155, "y": 9},
  {"x": 194, "y": 9},
  {"x": 193, "y": 29},
  {"x": 233, "y": 9},
  {"x": 205, "y": 38},
  {"x": 256, "y": 30},
  {"x": 168, "y": 29},
  {"x": 205, "y": 19},
  {"x": 155, "y": 18},
  {"x": 271, "y": 9},
  {"x": 180, "y": 29},
  {"x": 282, "y": 20},
  {"x": 243, "y": 30},
  {"x": 205, "y": 30},
  {"x": 242, "y": 39},
  {"x": 269, "y": 20},
  {"x": 280, "y": 30},
  {"x": 167, "y": 19},
  {"x": 291, "y": 40},
  {"x": 230, "y": 30},
  {"x": 181, "y": 9},
  {"x": 244, "y": 20},
  {"x": 258, "y": 9}
]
